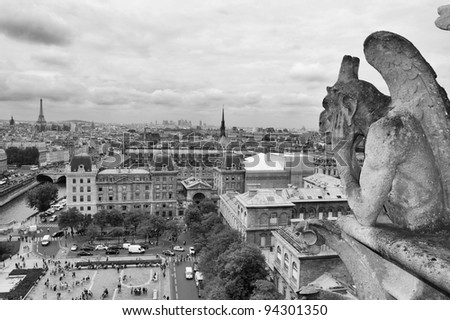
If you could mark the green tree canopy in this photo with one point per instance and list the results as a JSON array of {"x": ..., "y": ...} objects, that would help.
[
  {"x": 207, "y": 206},
  {"x": 265, "y": 290},
  {"x": 71, "y": 218},
  {"x": 192, "y": 215},
  {"x": 153, "y": 226},
  {"x": 217, "y": 245},
  {"x": 115, "y": 218},
  {"x": 42, "y": 196},
  {"x": 133, "y": 219},
  {"x": 239, "y": 268},
  {"x": 101, "y": 219}
]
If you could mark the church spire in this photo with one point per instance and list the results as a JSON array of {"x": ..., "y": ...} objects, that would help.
[{"x": 222, "y": 124}]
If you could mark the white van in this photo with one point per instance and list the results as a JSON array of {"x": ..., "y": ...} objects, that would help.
[
  {"x": 135, "y": 248},
  {"x": 189, "y": 273},
  {"x": 46, "y": 240}
]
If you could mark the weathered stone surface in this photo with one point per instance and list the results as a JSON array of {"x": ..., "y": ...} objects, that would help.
[
  {"x": 386, "y": 262},
  {"x": 443, "y": 22},
  {"x": 406, "y": 170}
]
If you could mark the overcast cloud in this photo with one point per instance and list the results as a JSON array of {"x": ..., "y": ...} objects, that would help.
[{"x": 268, "y": 62}]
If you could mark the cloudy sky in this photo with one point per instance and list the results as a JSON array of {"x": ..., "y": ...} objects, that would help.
[{"x": 268, "y": 61}]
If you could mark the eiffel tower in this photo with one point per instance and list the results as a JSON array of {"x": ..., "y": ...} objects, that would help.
[{"x": 40, "y": 123}]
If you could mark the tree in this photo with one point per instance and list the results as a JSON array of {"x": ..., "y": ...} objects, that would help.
[
  {"x": 217, "y": 245},
  {"x": 192, "y": 215},
  {"x": 239, "y": 268},
  {"x": 207, "y": 206},
  {"x": 265, "y": 290},
  {"x": 117, "y": 232},
  {"x": 133, "y": 219},
  {"x": 71, "y": 218},
  {"x": 42, "y": 196},
  {"x": 115, "y": 218},
  {"x": 101, "y": 219},
  {"x": 92, "y": 231},
  {"x": 152, "y": 227},
  {"x": 174, "y": 228}
]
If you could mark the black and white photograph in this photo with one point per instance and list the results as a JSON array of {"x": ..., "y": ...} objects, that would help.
[{"x": 171, "y": 154}]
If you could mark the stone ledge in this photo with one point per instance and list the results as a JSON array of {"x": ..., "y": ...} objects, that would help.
[{"x": 427, "y": 256}]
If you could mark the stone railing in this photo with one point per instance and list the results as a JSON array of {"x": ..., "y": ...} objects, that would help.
[{"x": 386, "y": 262}]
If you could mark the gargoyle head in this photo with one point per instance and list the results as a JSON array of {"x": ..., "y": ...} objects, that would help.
[{"x": 351, "y": 105}]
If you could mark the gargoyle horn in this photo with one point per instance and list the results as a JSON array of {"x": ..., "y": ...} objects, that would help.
[{"x": 349, "y": 69}]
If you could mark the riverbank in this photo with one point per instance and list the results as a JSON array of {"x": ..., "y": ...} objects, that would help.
[{"x": 16, "y": 193}]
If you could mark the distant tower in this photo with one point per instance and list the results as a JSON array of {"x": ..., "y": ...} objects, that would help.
[
  {"x": 12, "y": 122},
  {"x": 40, "y": 123},
  {"x": 222, "y": 125}
]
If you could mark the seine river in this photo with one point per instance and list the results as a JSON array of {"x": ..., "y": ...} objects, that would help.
[{"x": 17, "y": 209}]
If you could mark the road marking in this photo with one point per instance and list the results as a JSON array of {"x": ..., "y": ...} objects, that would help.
[{"x": 92, "y": 280}]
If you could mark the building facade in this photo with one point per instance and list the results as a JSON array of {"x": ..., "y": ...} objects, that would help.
[
  {"x": 124, "y": 190},
  {"x": 256, "y": 213},
  {"x": 294, "y": 265},
  {"x": 81, "y": 184}
]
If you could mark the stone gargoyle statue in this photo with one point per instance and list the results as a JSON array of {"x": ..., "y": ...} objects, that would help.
[{"x": 406, "y": 171}]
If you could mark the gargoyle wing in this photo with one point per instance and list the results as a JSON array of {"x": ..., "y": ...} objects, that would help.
[{"x": 414, "y": 90}]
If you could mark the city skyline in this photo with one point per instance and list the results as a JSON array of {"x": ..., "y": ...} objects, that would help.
[{"x": 267, "y": 63}]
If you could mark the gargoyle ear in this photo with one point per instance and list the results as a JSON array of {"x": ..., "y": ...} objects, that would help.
[{"x": 350, "y": 104}]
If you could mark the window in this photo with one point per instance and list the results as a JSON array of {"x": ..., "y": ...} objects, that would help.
[
  {"x": 100, "y": 189},
  {"x": 89, "y": 208},
  {"x": 147, "y": 196},
  {"x": 81, "y": 208},
  {"x": 88, "y": 189},
  {"x": 81, "y": 180},
  {"x": 74, "y": 199},
  {"x": 100, "y": 198},
  {"x": 81, "y": 198},
  {"x": 294, "y": 272},
  {"x": 81, "y": 189},
  {"x": 286, "y": 262},
  {"x": 147, "y": 187},
  {"x": 88, "y": 198},
  {"x": 74, "y": 189},
  {"x": 89, "y": 181},
  {"x": 273, "y": 218},
  {"x": 278, "y": 258},
  {"x": 74, "y": 180},
  {"x": 110, "y": 198}
]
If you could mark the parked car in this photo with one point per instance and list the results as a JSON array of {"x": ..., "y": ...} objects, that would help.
[
  {"x": 74, "y": 247},
  {"x": 195, "y": 266},
  {"x": 114, "y": 247},
  {"x": 168, "y": 253},
  {"x": 178, "y": 248},
  {"x": 58, "y": 234},
  {"x": 53, "y": 218},
  {"x": 87, "y": 247},
  {"x": 112, "y": 251},
  {"x": 101, "y": 247},
  {"x": 84, "y": 253},
  {"x": 192, "y": 251}
]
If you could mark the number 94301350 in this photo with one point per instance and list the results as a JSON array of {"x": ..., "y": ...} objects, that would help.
[{"x": 299, "y": 310}]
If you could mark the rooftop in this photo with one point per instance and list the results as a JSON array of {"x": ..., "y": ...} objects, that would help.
[
  {"x": 307, "y": 194},
  {"x": 263, "y": 198},
  {"x": 124, "y": 171},
  {"x": 323, "y": 181}
]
